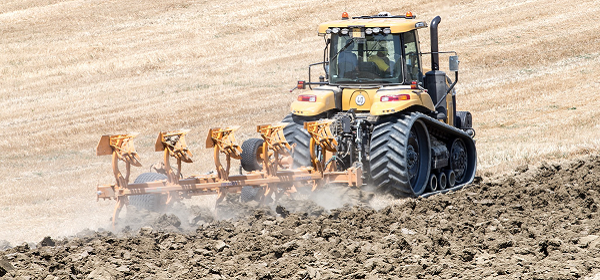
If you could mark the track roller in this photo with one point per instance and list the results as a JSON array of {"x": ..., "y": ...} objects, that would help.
[
  {"x": 442, "y": 181},
  {"x": 451, "y": 178},
  {"x": 433, "y": 183}
]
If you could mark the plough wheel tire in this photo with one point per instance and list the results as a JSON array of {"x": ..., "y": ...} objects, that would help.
[
  {"x": 150, "y": 202},
  {"x": 295, "y": 133},
  {"x": 248, "y": 194},
  {"x": 252, "y": 154},
  {"x": 400, "y": 156}
]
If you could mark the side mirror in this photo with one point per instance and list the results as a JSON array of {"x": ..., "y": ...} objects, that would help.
[{"x": 454, "y": 63}]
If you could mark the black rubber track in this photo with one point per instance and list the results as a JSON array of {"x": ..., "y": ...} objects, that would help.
[
  {"x": 295, "y": 133},
  {"x": 250, "y": 149},
  {"x": 380, "y": 148},
  {"x": 149, "y": 202},
  {"x": 448, "y": 134},
  {"x": 389, "y": 156}
]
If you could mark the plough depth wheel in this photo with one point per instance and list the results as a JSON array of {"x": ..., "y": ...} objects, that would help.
[{"x": 252, "y": 154}]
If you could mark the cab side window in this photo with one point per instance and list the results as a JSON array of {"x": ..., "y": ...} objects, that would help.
[{"x": 411, "y": 56}]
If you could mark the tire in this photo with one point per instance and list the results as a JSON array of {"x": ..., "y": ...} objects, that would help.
[
  {"x": 400, "y": 155},
  {"x": 295, "y": 133},
  {"x": 150, "y": 202},
  {"x": 251, "y": 150},
  {"x": 248, "y": 194}
]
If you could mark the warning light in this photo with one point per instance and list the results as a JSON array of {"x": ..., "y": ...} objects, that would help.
[
  {"x": 301, "y": 85},
  {"x": 413, "y": 85},
  {"x": 409, "y": 15},
  {"x": 344, "y": 15}
]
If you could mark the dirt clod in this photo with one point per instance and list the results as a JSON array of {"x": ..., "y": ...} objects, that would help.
[
  {"x": 47, "y": 241},
  {"x": 5, "y": 266}
]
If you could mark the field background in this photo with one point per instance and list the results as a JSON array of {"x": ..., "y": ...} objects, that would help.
[{"x": 74, "y": 70}]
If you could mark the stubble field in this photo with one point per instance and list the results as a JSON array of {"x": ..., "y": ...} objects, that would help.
[{"x": 74, "y": 70}]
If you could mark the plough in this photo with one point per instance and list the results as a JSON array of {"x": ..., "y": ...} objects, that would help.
[{"x": 276, "y": 178}]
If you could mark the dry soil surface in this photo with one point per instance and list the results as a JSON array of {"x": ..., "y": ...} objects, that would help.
[{"x": 537, "y": 223}]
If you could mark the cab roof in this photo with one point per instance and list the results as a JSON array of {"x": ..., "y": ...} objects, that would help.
[{"x": 397, "y": 24}]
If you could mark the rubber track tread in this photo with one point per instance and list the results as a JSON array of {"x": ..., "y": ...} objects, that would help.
[
  {"x": 295, "y": 133},
  {"x": 387, "y": 153},
  {"x": 445, "y": 133},
  {"x": 387, "y": 157}
]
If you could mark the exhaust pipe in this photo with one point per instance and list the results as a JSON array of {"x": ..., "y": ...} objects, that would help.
[
  {"x": 433, "y": 183},
  {"x": 433, "y": 31},
  {"x": 442, "y": 181},
  {"x": 435, "y": 80},
  {"x": 451, "y": 178}
]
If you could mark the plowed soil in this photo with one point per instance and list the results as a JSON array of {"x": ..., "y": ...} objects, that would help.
[{"x": 538, "y": 223}]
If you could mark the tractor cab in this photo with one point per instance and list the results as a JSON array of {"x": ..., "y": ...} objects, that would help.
[
  {"x": 372, "y": 64},
  {"x": 366, "y": 51},
  {"x": 379, "y": 49}
]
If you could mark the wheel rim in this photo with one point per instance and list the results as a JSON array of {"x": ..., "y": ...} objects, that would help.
[
  {"x": 458, "y": 159},
  {"x": 259, "y": 154},
  {"x": 417, "y": 158},
  {"x": 412, "y": 157}
]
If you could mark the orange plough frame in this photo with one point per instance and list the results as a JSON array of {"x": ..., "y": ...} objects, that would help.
[{"x": 276, "y": 178}]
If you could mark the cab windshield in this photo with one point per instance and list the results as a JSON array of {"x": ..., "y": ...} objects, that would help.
[{"x": 376, "y": 58}]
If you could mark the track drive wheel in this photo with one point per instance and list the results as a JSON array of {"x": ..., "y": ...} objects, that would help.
[
  {"x": 150, "y": 202},
  {"x": 400, "y": 156},
  {"x": 295, "y": 133},
  {"x": 252, "y": 154},
  {"x": 458, "y": 159}
]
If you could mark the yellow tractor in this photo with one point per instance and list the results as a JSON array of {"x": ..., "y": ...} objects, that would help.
[
  {"x": 398, "y": 123},
  {"x": 375, "y": 118}
]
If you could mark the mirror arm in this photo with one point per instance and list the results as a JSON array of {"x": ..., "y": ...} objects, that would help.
[
  {"x": 449, "y": 90},
  {"x": 453, "y": 84}
]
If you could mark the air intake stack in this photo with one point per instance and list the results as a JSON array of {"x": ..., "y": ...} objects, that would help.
[{"x": 435, "y": 80}]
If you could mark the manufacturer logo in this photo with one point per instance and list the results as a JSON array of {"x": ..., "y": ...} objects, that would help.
[{"x": 360, "y": 100}]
